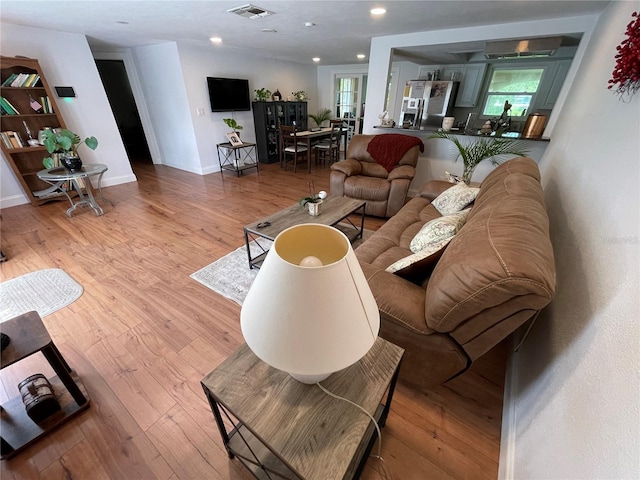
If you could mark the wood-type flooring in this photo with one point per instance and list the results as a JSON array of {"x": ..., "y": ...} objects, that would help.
[{"x": 144, "y": 334}]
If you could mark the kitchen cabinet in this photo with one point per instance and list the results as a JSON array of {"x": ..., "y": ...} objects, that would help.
[
  {"x": 550, "y": 89},
  {"x": 471, "y": 78}
]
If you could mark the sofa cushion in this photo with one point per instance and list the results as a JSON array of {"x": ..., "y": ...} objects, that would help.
[
  {"x": 437, "y": 230},
  {"x": 416, "y": 267},
  {"x": 455, "y": 198}
]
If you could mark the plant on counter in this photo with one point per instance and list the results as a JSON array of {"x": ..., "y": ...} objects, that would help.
[
  {"x": 64, "y": 144},
  {"x": 321, "y": 116},
  {"x": 262, "y": 95},
  {"x": 481, "y": 148},
  {"x": 232, "y": 124},
  {"x": 300, "y": 95}
]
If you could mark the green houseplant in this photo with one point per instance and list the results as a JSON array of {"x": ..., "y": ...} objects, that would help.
[
  {"x": 232, "y": 124},
  {"x": 321, "y": 116},
  {"x": 262, "y": 95},
  {"x": 300, "y": 95},
  {"x": 482, "y": 148},
  {"x": 63, "y": 146}
]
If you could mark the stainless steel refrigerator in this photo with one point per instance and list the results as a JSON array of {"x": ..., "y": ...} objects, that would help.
[{"x": 427, "y": 102}]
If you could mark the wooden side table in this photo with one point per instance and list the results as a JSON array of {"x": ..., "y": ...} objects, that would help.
[
  {"x": 285, "y": 429},
  {"x": 28, "y": 336}
]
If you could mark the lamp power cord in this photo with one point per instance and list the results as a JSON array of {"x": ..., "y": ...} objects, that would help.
[{"x": 385, "y": 473}]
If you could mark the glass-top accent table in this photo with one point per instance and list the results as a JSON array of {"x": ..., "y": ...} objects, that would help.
[{"x": 79, "y": 181}]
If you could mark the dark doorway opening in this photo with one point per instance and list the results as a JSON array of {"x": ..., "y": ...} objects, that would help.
[{"x": 116, "y": 84}]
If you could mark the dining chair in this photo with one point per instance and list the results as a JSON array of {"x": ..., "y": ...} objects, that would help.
[
  {"x": 329, "y": 150},
  {"x": 291, "y": 149}
]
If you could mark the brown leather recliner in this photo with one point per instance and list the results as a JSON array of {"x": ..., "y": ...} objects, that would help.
[{"x": 362, "y": 177}]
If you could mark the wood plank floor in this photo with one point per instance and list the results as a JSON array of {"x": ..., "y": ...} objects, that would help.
[{"x": 144, "y": 334}]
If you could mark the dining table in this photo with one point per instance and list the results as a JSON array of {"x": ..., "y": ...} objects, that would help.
[{"x": 309, "y": 136}]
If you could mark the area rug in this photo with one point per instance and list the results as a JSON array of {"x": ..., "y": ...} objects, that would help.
[
  {"x": 44, "y": 291},
  {"x": 230, "y": 275}
]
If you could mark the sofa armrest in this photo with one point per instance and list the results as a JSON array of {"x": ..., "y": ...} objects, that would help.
[
  {"x": 433, "y": 188},
  {"x": 349, "y": 167},
  {"x": 402, "y": 172}
]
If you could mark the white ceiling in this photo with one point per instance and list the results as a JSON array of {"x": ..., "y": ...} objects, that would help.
[{"x": 342, "y": 29}]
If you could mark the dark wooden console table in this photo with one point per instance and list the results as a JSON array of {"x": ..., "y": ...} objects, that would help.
[{"x": 28, "y": 336}]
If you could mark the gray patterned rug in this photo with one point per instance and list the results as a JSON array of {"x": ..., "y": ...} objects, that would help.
[
  {"x": 230, "y": 275},
  {"x": 44, "y": 291}
]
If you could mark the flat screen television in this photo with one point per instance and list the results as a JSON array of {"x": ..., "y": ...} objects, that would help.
[{"x": 228, "y": 94}]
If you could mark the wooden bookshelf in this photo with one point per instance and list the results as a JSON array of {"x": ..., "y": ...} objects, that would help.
[{"x": 26, "y": 160}]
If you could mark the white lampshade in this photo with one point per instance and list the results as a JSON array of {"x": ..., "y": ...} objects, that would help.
[{"x": 310, "y": 321}]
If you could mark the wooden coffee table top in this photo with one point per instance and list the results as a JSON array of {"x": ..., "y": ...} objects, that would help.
[
  {"x": 332, "y": 211},
  {"x": 316, "y": 435}
]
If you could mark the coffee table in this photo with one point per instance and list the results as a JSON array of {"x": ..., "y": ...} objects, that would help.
[
  {"x": 333, "y": 211},
  {"x": 282, "y": 428}
]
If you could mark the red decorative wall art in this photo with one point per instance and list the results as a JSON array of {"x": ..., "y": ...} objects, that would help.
[{"x": 625, "y": 79}]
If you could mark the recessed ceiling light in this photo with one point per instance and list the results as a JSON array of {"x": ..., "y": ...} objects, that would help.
[
  {"x": 361, "y": 56},
  {"x": 378, "y": 11},
  {"x": 309, "y": 24},
  {"x": 316, "y": 59},
  {"x": 216, "y": 39}
]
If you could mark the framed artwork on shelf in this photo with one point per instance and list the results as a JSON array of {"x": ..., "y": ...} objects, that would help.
[{"x": 234, "y": 139}]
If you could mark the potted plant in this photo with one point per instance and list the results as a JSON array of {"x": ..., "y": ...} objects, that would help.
[
  {"x": 262, "y": 95},
  {"x": 232, "y": 124},
  {"x": 482, "y": 148},
  {"x": 321, "y": 116},
  {"x": 313, "y": 201},
  {"x": 63, "y": 146},
  {"x": 300, "y": 95}
]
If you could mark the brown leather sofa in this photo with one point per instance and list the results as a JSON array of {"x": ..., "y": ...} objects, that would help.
[
  {"x": 360, "y": 176},
  {"x": 495, "y": 275}
]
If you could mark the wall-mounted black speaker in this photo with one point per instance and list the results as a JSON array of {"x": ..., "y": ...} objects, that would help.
[{"x": 65, "y": 92}]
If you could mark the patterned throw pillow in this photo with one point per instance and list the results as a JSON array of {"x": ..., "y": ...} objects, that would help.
[
  {"x": 418, "y": 266},
  {"x": 455, "y": 198},
  {"x": 438, "y": 229}
]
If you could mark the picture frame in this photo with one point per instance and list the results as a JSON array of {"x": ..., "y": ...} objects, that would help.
[{"x": 234, "y": 139}]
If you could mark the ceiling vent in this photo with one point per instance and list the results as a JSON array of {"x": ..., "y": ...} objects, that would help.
[
  {"x": 534, "y": 47},
  {"x": 250, "y": 11}
]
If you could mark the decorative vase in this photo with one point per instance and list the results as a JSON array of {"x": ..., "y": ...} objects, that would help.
[
  {"x": 467, "y": 174},
  {"x": 314, "y": 208},
  {"x": 71, "y": 163}
]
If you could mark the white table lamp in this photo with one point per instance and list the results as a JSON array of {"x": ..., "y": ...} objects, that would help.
[{"x": 310, "y": 311}]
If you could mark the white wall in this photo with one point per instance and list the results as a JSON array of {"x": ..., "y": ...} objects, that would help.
[
  {"x": 572, "y": 409},
  {"x": 163, "y": 87},
  {"x": 197, "y": 64},
  {"x": 89, "y": 114}
]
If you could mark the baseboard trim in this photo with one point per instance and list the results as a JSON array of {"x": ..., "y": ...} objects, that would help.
[{"x": 506, "y": 466}]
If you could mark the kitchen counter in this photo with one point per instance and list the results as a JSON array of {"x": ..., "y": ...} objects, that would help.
[{"x": 455, "y": 131}]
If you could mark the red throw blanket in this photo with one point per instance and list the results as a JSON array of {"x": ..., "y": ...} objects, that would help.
[{"x": 389, "y": 148}]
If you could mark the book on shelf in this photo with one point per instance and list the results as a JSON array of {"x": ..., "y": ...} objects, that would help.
[
  {"x": 11, "y": 139},
  {"x": 9, "y": 80},
  {"x": 5, "y": 139},
  {"x": 21, "y": 80},
  {"x": 10, "y": 109}
]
